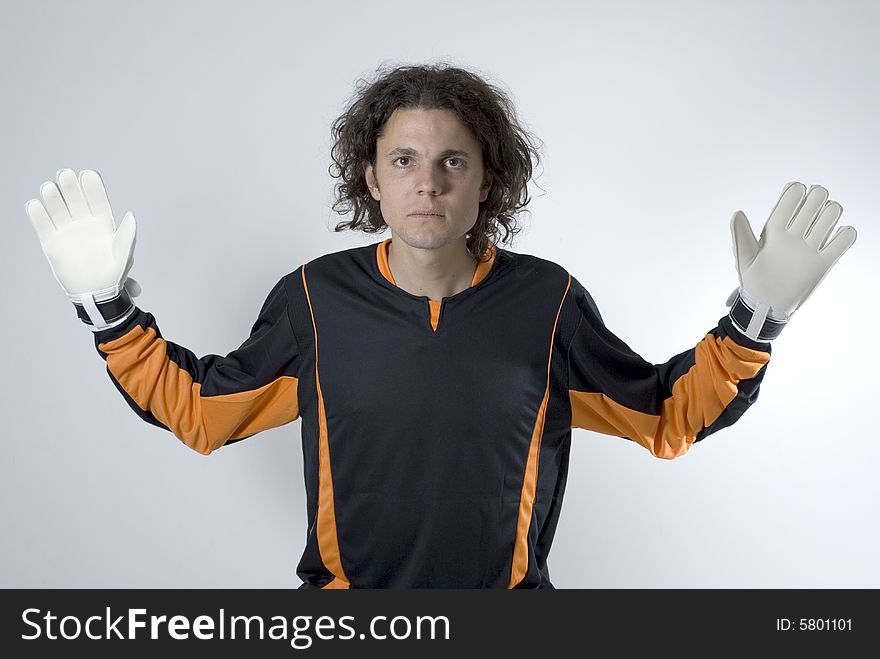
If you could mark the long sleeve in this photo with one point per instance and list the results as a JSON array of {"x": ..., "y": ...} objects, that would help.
[
  {"x": 209, "y": 401},
  {"x": 663, "y": 407}
]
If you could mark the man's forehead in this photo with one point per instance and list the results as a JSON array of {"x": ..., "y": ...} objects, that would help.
[{"x": 408, "y": 132}]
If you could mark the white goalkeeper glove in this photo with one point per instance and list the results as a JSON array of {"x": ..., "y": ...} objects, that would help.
[
  {"x": 779, "y": 272},
  {"x": 89, "y": 256}
]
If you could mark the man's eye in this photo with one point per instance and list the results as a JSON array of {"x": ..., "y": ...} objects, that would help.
[{"x": 457, "y": 160}]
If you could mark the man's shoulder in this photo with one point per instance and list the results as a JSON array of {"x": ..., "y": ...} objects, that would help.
[
  {"x": 541, "y": 270},
  {"x": 351, "y": 254},
  {"x": 338, "y": 263},
  {"x": 342, "y": 263},
  {"x": 532, "y": 266}
]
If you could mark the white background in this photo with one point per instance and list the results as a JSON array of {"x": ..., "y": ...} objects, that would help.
[{"x": 211, "y": 121}]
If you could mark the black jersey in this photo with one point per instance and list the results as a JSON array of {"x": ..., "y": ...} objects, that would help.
[{"x": 435, "y": 434}]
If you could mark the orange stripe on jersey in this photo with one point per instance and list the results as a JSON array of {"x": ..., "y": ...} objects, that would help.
[
  {"x": 698, "y": 399},
  {"x": 203, "y": 423},
  {"x": 520, "y": 563},
  {"x": 328, "y": 540}
]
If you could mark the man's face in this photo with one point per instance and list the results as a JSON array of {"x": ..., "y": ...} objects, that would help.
[{"x": 427, "y": 160}]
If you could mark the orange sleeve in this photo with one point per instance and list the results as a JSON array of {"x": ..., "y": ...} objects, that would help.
[
  {"x": 663, "y": 407},
  {"x": 208, "y": 401}
]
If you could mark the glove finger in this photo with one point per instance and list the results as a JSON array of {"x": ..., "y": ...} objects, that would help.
[
  {"x": 124, "y": 239},
  {"x": 745, "y": 246},
  {"x": 807, "y": 212},
  {"x": 96, "y": 197},
  {"x": 837, "y": 246},
  {"x": 40, "y": 220},
  {"x": 73, "y": 195},
  {"x": 824, "y": 224},
  {"x": 784, "y": 210},
  {"x": 54, "y": 204}
]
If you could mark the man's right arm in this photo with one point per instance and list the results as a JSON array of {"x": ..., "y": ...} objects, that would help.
[{"x": 208, "y": 401}]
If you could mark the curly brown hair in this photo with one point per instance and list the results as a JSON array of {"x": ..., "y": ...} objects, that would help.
[{"x": 487, "y": 110}]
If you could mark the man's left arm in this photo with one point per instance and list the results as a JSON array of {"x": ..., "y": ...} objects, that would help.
[{"x": 667, "y": 407}]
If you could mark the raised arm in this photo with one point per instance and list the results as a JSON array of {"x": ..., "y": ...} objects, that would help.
[
  {"x": 667, "y": 407},
  {"x": 206, "y": 402},
  {"x": 663, "y": 407}
]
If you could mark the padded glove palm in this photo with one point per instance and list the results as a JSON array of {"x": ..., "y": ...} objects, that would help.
[
  {"x": 778, "y": 272},
  {"x": 89, "y": 256}
]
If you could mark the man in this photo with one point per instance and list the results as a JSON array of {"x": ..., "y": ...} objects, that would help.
[{"x": 437, "y": 375}]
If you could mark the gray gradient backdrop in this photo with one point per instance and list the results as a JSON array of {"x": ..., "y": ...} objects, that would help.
[{"x": 659, "y": 120}]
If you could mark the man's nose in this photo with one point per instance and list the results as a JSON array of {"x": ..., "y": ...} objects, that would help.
[{"x": 430, "y": 181}]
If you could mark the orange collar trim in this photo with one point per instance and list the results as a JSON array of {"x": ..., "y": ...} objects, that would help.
[{"x": 480, "y": 273}]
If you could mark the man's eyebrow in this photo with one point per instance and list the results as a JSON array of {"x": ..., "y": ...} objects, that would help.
[{"x": 407, "y": 151}]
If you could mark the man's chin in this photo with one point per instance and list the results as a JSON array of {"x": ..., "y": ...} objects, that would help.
[{"x": 424, "y": 239}]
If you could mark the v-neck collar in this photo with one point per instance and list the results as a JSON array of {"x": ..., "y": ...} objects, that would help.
[
  {"x": 482, "y": 270},
  {"x": 434, "y": 306}
]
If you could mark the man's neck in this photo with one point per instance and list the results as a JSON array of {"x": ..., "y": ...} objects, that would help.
[{"x": 436, "y": 273}]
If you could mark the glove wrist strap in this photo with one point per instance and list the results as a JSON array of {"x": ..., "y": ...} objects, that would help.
[
  {"x": 100, "y": 315},
  {"x": 752, "y": 320}
]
